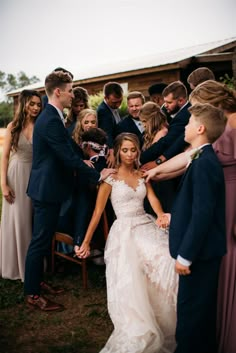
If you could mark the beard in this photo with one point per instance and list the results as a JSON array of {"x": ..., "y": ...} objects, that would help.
[{"x": 174, "y": 110}]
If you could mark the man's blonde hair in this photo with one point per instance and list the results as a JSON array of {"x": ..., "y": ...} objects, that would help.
[{"x": 211, "y": 117}]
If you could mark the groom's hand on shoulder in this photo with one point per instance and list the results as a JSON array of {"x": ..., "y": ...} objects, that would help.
[{"x": 106, "y": 172}]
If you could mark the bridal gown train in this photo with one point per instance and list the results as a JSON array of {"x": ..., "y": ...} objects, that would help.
[{"x": 141, "y": 281}]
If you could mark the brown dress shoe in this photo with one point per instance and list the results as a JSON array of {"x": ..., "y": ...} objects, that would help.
[
  {"x": 43, "y": 304},
  {"x": 51, "y": 290}
]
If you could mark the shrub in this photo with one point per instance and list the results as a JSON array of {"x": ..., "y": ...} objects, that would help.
[
  {"x": 229, "y": 81},
  {"x": 6, "y": 113},
  {"x": 96, "y": 99}
]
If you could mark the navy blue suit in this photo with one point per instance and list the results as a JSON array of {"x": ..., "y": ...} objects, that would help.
[
  {"x": 107, "y": 122},
  {"x": 128, "y": 125},
  {"x": 197, "y": 233},
  {"x": 55, "y": 159},
  {"x": 176, "y": 129}
]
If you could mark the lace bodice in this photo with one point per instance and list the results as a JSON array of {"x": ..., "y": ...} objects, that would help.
[{"x": 126, "y": 201}]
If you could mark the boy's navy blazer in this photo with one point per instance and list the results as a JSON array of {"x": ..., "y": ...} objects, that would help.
[
  {"x": 55, "y": 159},
  {"x": 176, "y": 129},
  {"x": 107, "y": 122},
  {"x": 197, "y": 227}
]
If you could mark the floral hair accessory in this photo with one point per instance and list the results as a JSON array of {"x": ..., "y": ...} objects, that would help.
[{"x": 101, "y": 149}]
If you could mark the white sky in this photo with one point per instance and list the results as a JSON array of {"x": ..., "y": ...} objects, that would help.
[{"x": 37, "y": 36}]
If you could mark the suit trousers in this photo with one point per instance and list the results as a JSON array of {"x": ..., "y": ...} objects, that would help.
[
  {"x": 196, "y": 308},
  {"x": 44, "y": 226}
]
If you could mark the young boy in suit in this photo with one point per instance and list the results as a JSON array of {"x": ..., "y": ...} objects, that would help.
[{"x": 197, "y": 233}]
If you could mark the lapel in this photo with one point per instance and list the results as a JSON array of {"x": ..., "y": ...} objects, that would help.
[{"x": 204, "y": 149}]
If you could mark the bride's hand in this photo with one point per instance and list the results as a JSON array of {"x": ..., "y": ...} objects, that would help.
[
  {"x": 163, "y": 221},
  {"x": 83, "y": 251}
]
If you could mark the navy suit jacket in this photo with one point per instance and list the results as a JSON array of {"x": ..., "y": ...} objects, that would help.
[
  {"x": 197, "y": 227},
  {"x": 176, "y": 129},
  {"x": 128, "y": 125},
  {"x": 55, "y": 159},
  {"x": 107, "y": 122}
]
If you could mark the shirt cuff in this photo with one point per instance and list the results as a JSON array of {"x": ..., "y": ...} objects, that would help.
[{"x": 183, "y": 261}]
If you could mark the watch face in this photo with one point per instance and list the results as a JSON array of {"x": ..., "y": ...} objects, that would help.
[{"x": 158, "y": 161}]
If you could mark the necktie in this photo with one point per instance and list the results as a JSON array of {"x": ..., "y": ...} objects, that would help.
[{"x": 116, "y": 115}]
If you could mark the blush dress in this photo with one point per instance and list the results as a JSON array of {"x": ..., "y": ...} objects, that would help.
[
  {"x": 225, "y": 148},
  {"x": 16, "y": 218},
  {"x": 141, "y": 281}
]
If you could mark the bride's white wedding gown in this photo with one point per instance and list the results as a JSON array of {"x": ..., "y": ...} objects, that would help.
[{"x": 141, "y": 281}]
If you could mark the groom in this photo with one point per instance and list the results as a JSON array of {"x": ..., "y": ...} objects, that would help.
[
  {"x": 197, "y": 234},
  {"x": 55, "y": 160}
]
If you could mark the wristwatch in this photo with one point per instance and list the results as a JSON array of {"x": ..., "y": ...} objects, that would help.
[{"x": 158, "y": 161}]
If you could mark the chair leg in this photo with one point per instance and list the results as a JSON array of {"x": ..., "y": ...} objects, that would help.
[
  {"x": 84, "y": 274},
  {"x": 53, "y": 254}
]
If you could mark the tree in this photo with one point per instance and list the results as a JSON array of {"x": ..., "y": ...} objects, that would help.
[{"x": 10, "y": 82}]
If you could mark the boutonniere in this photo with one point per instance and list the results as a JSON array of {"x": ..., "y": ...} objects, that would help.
[{"x": 194, "y": 154}]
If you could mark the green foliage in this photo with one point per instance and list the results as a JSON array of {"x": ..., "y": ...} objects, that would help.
[
  {"x": 10, "y": 82},
  {"x": 229, "y": 81},
  {"x": 6, "y": 113},
  {"x": 96, "y": 99}
]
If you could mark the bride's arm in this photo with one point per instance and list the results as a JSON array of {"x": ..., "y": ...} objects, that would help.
[
  {"x": 154, "y": 201},
  {"x": 102, "y": 197},
  {"x": 173, "y": 165},
  {"x": 163, "y": 219}
]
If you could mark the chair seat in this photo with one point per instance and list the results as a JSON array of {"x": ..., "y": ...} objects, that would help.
[{"x": 60, "y": 237}]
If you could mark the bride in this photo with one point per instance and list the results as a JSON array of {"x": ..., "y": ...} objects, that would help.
[{"x": 141, "y": 282}]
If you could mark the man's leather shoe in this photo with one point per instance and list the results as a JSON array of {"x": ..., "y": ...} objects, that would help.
[
  {"x": 45, "y": 287},
  {"x": 43, "y": 304}
]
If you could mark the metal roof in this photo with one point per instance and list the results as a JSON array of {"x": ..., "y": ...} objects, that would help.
[{"x": 142, "y": 62}]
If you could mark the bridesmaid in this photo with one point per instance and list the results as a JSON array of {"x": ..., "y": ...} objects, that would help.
[{"x": 16, "y": 219}]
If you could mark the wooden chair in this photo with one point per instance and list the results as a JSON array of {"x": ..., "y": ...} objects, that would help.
[{"x": 68, "y": 239}]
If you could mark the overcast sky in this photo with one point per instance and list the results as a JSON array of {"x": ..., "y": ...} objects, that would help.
[{"x": 38, "y": 36}]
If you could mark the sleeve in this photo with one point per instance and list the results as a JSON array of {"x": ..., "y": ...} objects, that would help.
[
  {"x": 205, "y": 186},
  {"x": 177, "y": 147},
  {"x": 109, "y": 180},
  {"x": 62, "y": 145},
  {"x": 159, "y": 148},
  {"x": 106, "y": 123}
]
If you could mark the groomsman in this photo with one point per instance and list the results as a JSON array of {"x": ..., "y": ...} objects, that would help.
[
  {"x": 176, "y": 104},
  {"x": 108, "y": 114},
  {"x": 131, "y": 123}
]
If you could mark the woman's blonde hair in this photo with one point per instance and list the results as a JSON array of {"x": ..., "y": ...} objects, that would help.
[
  {"x": 155, "y": 120},
  {"x": 126, "y": 136},
  {"x": 78, "y": 130}
]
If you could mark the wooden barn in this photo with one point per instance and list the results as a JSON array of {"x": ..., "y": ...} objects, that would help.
[{"x": 140, "y": 73}]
